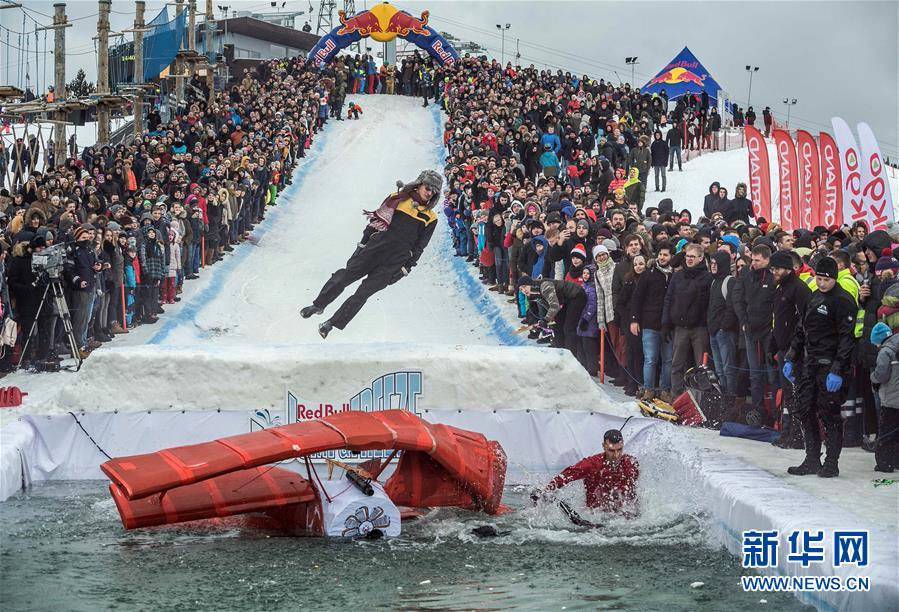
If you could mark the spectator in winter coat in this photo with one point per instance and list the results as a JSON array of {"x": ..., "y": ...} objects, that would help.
[
  {"x": 790, "y": 298},
  {"x": 646, "y": 319},
  {"x": 750, "y": 117},
  {"x": 768, "y": 118},
  {"x": 740, "y": 208},
  {"x": 712, "y": 200},
  {"x": 640, "y": 158},
  {"x": 635, "y": 189},
  {"x": 587, "y": 328},
  {"x": 605, "y": 268},
  {"x": 684, "y": 313},
  {"x": 722, "y": 322},
  {"x": 564, "y": 302},
  {"x": 885, "y": 377},
  {"x": 674, "y": 139},
  {"x": 552, "y": 139},
  {"x": 659, "y": 155},
  {"x": 82, "y": 280},
  {"x": 753, "y": 301}
]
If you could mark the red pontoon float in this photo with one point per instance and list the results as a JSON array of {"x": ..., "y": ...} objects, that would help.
[{"x": 439, "y": 465}]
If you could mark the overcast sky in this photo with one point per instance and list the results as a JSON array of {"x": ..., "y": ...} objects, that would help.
[{"x": 835, "y": 58}]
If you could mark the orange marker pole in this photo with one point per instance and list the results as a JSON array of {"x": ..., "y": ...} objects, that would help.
[
  {"x": 124, "y": 308},
  {"x": 202, "y": 251}
]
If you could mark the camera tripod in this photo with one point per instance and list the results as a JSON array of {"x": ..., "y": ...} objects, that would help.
[{"x": 59, "y": 299}]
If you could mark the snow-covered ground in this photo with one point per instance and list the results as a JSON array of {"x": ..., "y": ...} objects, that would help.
[{"x": 246, "y": 307}]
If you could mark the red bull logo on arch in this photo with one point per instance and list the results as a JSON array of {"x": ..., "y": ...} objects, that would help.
[
  {"x": 684, "y": 75},
  {"x": 383, "y": 23}
]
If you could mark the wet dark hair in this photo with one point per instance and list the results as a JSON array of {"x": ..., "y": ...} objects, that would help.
[{"x": 612, "y": 436}]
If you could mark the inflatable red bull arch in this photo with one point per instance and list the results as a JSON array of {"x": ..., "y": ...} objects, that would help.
[{"x": 383, "y": 23}]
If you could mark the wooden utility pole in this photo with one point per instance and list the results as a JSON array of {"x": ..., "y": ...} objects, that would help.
[
  {"x": 192, "y": 24},
  {"x": 179, "y": 64},
  {"x": 210, "y": 53},
  {"x": 59, "y": 67},
  {"x": 139, "y": 68},
  {"x": 103, "y": 71}
]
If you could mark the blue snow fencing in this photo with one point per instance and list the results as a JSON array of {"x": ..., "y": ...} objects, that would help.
[
  {"x": 498, "y": 325},
  {"x": 220, "y": 272}
]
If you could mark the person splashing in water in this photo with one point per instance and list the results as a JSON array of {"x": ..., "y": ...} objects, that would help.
[{"x": 610, "y": 480}]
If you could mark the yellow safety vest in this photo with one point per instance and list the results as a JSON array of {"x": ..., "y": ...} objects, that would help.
[{"x": 851, "y": 286}]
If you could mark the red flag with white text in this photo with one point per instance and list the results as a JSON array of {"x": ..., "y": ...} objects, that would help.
[
  {"x": 759, "y": 173},
  {"x": 831, "y": 181},
  {"x": 789, "y": 181},
  {"x": 809, "y": 180}
]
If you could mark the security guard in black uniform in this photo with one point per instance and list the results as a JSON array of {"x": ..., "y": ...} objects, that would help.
[
  {"x": 387, "y": 255},
  {"x": 820, "y": 354}
]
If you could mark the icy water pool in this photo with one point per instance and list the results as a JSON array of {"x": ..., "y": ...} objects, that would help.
[{"x": 62, "y": 547}]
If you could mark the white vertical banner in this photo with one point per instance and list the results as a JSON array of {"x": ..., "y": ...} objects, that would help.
[
  {"x": 875, "y": 185},
  {"x": 850, "y": 164}
]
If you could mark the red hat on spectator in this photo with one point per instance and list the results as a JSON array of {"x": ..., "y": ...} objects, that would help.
[{"x": 579, "y": 251}]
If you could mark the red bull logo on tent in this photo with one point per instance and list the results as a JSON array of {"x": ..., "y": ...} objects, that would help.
[
  {"x": 684, "y": 75},
  {"x": 383, "y": 23}
]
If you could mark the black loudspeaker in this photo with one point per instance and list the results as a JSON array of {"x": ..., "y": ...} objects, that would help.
[{"x": 78, "y": 117}]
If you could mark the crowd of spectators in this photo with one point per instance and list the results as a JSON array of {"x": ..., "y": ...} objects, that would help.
[
  {"x": 137, "y": 220},
  {"x": 547, "y": 174}
]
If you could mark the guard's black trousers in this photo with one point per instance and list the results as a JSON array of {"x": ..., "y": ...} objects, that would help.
[
  {"x": 378, "y": 272},
  {"x": 814, "y": 401}
]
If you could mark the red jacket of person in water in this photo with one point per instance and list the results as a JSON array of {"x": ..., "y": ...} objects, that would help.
[{"x": 611, "y": 489}]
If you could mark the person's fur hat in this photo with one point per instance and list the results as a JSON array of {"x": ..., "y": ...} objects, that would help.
[{"x": 426, "y": 177}]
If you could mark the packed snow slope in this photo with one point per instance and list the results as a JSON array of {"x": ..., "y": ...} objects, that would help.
[{"x": 255, "y": 294}]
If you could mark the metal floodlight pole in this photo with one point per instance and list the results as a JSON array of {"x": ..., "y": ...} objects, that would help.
[
  {"x": 751, "y": 70},
  {"x": 503, "y": 31},
  {"x": 789, "y": 103},
  {"x": 632, "y": 62}
]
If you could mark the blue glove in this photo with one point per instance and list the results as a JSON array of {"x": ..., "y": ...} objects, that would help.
[
  {"x": 833, "y": 382},
  {"x": 788, "y": 371}
]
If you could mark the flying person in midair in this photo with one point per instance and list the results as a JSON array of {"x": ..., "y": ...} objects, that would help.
[{"x": 396, "y": 236}]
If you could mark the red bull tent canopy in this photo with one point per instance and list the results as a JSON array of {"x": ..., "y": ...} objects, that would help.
[{"x": 683, "y": 75}]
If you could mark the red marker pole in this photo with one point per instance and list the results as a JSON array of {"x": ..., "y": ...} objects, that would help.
[
  {"x": 202, "y": 251},
  {"x": 602, "y": 355},
  {"x": 124, "y": 309}
]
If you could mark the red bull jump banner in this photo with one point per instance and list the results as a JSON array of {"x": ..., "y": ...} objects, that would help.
[
  {"x": 383, "y": 23},
  {"x": 789, "y": 181},
  {"x": 809, "y": 181},
  {"x": 759, "y": 173},
  {"x": 831, "y": 181},
  {"x": 682, "y": 76}
]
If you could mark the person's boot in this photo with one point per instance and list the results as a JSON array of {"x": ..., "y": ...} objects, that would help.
[
  {"x": 811, "y": 465},
  {"x": 308, "y": 311},
  {"x": 829, "y": 469},
  {"x": 324, "y": 329},
  {"x": 833, "y": 442},
  {"x": 812, "y": 462}
]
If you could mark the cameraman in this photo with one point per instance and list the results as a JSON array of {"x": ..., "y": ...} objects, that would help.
[
  {"x": 28, "y": 288},
  {"x": 81, "y": 273}
]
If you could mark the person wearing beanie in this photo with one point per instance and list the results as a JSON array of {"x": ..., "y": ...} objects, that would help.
[
  {"x": 823, "y": 345},
  {"x": 401, "y": 230},
  {"x": 791, "y": 295},
  {"x": 578, "y": 259},
  {"x": 564, "y": 302},
  {"x": 885, "y": 378}
]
